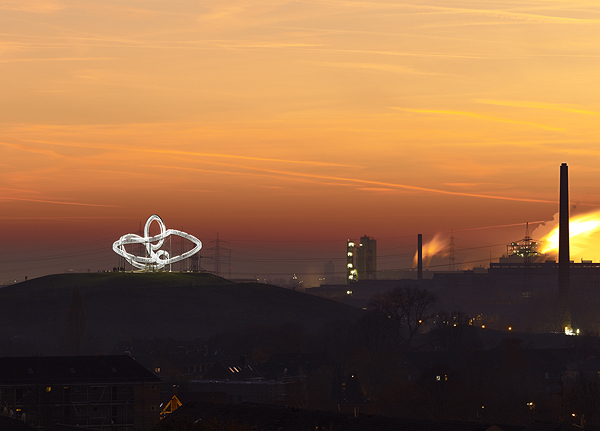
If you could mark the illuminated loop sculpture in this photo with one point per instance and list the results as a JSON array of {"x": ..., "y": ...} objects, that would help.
[{"x": 154, "y": 258}]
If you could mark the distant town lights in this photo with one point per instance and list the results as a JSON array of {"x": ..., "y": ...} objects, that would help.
[{"x": 154, "y": 258}]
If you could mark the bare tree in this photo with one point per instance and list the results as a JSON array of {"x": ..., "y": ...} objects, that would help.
[
  {"x": 407, "y": 309},
  {"x": 585, "y": 398},
  {"x": 453, "y": 332}
]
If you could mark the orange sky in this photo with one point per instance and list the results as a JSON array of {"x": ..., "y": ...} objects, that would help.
[{"x": 292, "y": 120}]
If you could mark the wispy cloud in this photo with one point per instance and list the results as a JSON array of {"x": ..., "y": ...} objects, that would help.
[
  {"x": 500, "y": 225},
  {"x": 409, "y": 54},
  {"x": 184, "y": 153},
  {"x": 17, "y": 190},
  {"x": 467, "y": 185},
  {"x": 31, "y": 149},
  {"x": 47, "y": 59},
  {"x": 272, "y": 45},
  {"x": 480, "y": 117},
  {"x": 380, "y": 184},
  {"x": 11, "y": 198},
  {"x": 36, "y": 6},
  {"x": 379, "y": 67},
  {"x": 537, "y": 105},
  {"x": 492, "y": 13},
  {"x": 377, "y": 189}
]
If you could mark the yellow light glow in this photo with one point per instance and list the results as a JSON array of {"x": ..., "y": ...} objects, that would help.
[
  {"x": 584, "y": 235},
  {"x": 430, "y": 249}
]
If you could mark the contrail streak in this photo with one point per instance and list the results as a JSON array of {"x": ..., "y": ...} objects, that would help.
[
  {"x": 369, "y": 182},
  {"x": 5, "y": 198},
  {"x": 182, "y": 153}
]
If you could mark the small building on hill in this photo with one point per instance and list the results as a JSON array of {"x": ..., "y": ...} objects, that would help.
[{"x": 94, "y": 392}]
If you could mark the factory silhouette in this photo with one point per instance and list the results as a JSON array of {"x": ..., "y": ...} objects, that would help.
[{"x": 525, "y": 290}]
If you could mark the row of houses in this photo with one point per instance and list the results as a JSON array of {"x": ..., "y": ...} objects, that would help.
[
  {"x": 116, "y": 392},
  {"x": 98, "y": 392}
]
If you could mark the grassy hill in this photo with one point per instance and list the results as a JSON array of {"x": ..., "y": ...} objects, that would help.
[{"x": 145, "y": 305}]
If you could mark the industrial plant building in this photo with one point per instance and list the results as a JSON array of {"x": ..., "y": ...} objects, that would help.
[
  {"x": 361, "y": 260},
  {"x": 567, "y": 291}
]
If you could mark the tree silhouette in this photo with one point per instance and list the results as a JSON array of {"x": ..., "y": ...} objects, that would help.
[
  {"x": 453, "y": 332},
  {"x": 406, "y": 308}
]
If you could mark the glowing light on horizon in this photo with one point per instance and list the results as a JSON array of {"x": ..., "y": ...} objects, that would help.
[
  {"x": 584, "y": 236},
  {"x": 430, "y": 249},
  {"x": 155, "y": 258}
]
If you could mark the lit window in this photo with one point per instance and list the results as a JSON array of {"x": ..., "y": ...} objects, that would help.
[
  {"x": 48, "y": 388},
  {"x": 438, "y": 378},
  {"x": 157, "y": 370}
]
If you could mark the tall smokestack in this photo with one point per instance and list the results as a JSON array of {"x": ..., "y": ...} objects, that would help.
[
  {"x": 420, "y": 257},
  {"x": 564, "y": 255}
]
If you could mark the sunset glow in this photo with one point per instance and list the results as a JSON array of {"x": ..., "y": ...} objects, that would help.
[
  {"x": 436, "y": 246},
  {"x": 584, "y": 233},
  {"x": 291, "y": 125}
]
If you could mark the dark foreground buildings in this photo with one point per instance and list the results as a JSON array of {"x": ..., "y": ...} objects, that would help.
[{"x": 96, "y": 392}]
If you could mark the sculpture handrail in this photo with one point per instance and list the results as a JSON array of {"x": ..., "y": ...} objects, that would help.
[{"x": 155, "y": 258}]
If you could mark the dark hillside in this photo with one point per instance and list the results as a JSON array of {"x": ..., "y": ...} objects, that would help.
[{"x": 145, "y": 305}]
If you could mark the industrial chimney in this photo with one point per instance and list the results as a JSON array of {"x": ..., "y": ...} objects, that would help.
[
  {"x": 564, "y": 256},
  {"x": 420, "y": 256}
]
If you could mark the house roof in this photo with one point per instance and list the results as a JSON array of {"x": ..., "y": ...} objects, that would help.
[
  {"x": 48, "y": 370},
  {"x": 290, "y": 364},
  {"x": 233, "y": 369}
]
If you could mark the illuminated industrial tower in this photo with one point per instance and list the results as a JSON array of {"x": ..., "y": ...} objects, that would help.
[
  {"x": 351, "y": 272},
  {"x": 525, "y": 248},
  {"x": 366, "y": 258}
]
